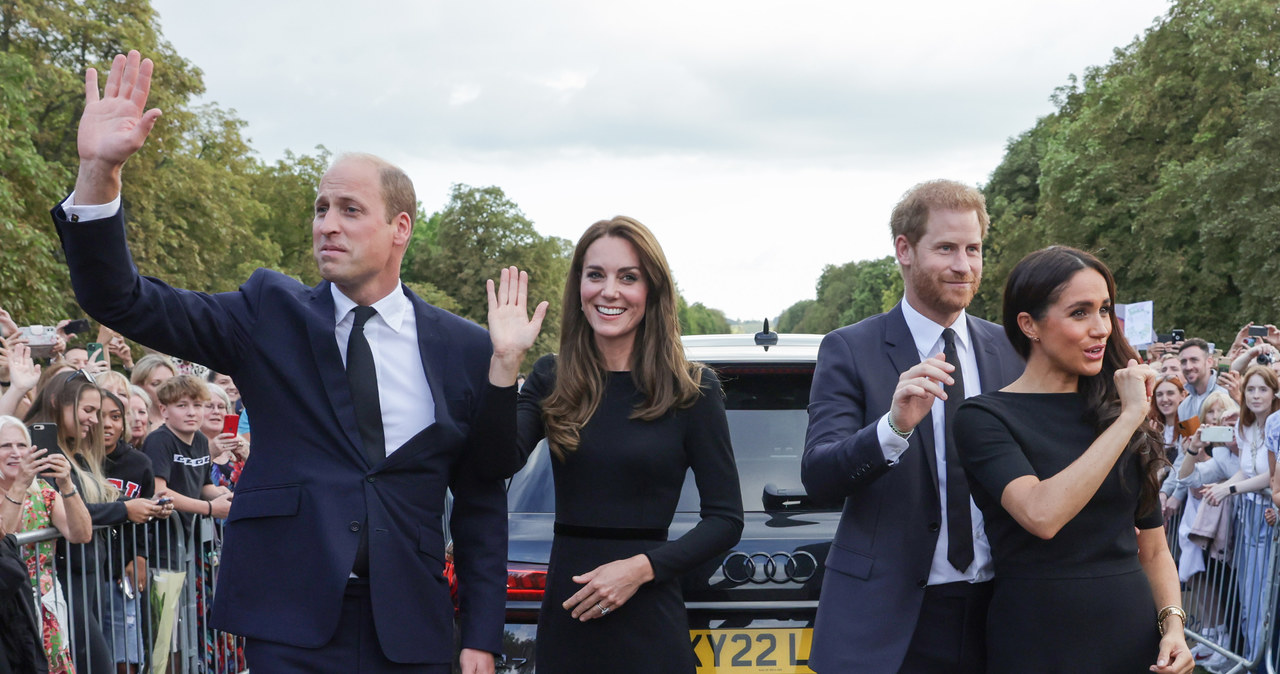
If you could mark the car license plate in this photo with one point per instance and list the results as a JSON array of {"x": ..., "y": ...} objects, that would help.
[{"x": 763, "y": 651}]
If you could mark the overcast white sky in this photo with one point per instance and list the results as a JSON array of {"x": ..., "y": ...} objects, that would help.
[{"x": 759, "y": 140}]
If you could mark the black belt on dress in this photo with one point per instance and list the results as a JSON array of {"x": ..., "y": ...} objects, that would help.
[{"x": 612, "y": 533}]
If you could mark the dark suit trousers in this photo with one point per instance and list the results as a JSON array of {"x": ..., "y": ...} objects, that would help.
[
  {"x": 353, "y": 649},
  {"x": 951, "y": 634}
]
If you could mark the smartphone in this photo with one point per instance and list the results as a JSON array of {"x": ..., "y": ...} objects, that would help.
[
  {"x": 1224, "y": 366},
  {"x": 1178, "y": 335},
  {"x": 164, "y": 500},
  {"x": 40, "y": 338},
  {"x": 231, "y": 423},
  {"x": 76, "y": 327},
  {"x": 1216, "y": 434},
  {"x": 95, "y": 352},
  {"x": 1257, "y": 331},
  {"x": 45, "y": 436},
  {"x": 1164, "y": 338}
]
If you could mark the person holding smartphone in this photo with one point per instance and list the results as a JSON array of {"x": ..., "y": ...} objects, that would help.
[
  {"x": 227, "y": 450},
  {"x": 73, "y": 401},
  {"x": 30, "y": 504},
  {"x": 129, "y": 471}
]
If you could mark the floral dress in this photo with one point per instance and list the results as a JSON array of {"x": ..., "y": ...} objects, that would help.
[{"x": 37, "y": 514}]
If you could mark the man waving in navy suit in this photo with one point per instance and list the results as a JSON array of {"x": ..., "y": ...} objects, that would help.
[
  {"x": 907, "y": 578},
  {"x": 368, "y": 403}
]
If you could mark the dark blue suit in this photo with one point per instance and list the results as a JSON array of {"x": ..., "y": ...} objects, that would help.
[
  {"x": 309, "y": 489},
  {"x": 879, "y": 562}
]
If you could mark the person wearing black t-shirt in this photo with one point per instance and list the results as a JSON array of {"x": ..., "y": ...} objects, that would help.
[
  {"x": 129, "y": 471},
  {"x": 179, "y": 456}
]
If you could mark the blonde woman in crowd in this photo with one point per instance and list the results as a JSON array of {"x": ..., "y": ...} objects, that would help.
[
  {"x": 31, "y": 504},
  {"x": 150, "y": 372},
  {"x": 227, "y": 451},
  {"x": 139, "y": 415}
]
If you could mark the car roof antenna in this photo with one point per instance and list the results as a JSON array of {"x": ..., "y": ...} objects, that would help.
[{"x": 765, "y": 338}]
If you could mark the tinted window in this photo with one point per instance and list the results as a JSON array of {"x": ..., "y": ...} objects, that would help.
[
  {"x": 766, "y": 406},
  {"x": 767, "y": 410}
]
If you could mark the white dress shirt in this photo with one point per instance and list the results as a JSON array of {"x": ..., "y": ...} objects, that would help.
[
  {"x": 403, "y": 393},
  {"x": 928, "y": 338}
]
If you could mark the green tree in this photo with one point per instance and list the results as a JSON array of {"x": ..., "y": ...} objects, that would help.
[
  {"x": 287, "y": 191},
  {"x": 697, "y": 319},
  {"x": 36, "y": 287},
  {"x": 187, "y": 192},
  {"x": 790, "y": 318},
  {"x": 846, "y": 294},
  {"x": 1153, "y": 162},
  {"x": 478, "y": 233}
]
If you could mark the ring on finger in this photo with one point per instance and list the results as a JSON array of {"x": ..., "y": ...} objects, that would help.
[{"x": 603, "y": 610}]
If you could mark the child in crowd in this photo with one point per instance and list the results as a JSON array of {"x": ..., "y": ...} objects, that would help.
[{"x": 180, "y": 458}]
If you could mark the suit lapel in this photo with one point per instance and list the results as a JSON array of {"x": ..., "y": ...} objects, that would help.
[
  {"x": 988, "y": 357},
  {"x": 901, "y": 347},
  {"x": 329, "y": 363},
  {"x": 431, "y": 346},
  {"x": 431, "y": 349}
]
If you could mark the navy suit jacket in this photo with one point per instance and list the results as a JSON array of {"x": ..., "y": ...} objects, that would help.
[
  {"x": 879, "y": 561},
  {"x": 308, "y": 488}
]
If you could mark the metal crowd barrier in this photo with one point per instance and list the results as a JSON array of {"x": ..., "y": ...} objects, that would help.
[
  {"x": 161, "y": 626},
  {"x": 1230, "y": 591}
]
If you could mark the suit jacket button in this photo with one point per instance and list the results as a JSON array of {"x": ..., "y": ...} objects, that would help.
[
  {"x": 355, "y": 526},
  {"x": 933, "y": 527},
  {"x": 371, "y": 479}
]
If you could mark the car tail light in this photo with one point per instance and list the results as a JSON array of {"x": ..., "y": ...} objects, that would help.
[{"x": 526, "y": 582}]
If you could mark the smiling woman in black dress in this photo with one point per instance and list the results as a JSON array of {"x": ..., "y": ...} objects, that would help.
[
  {"x": 1063, "y": 464},
  {"x": 626, "y": 417}
]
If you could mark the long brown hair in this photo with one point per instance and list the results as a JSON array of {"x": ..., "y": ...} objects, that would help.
[
  {"x": 1270, "y": 380},
  {"x": 86, "y": 455},
  {"x": 1156, "y": 417},
  {"x": 1035, "y": 283},
  {"x": 658, "y": 366}
]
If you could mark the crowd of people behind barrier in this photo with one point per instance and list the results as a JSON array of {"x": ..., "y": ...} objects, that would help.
[
  {"x": 1216, "y": 408},
  {"x": 107, "y": 457}
]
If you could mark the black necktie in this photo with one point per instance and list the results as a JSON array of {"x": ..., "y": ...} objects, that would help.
[
  {"x": 959, "y": 521},
  {"x": 363, "y": 378}
]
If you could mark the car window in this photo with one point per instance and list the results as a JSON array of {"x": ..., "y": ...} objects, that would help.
[
  {"x": 766, "y": 407},
  {"x": 767, "y": 410}
]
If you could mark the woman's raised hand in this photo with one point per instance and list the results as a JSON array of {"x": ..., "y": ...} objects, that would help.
[
  {"x": 510, "y": 327},
  {"x": 1134, "y": 384}
]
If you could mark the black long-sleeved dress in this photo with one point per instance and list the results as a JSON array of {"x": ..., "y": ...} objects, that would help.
[{"x": 615, "y": 497}]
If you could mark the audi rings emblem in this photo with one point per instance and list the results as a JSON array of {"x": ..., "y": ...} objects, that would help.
[{"x": 762, "y": 568}]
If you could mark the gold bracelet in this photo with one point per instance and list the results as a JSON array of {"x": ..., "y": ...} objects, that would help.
[{"x": 1168, "y": 611}]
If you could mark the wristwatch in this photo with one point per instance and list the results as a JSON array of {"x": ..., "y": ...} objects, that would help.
[{"x": 1232, "y": 489}]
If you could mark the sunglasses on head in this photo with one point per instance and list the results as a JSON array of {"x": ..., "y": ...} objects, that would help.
[{"x": 88, "y": 376}]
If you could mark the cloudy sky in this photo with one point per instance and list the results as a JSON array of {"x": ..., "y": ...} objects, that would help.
[{"x": 759, "y": 140}]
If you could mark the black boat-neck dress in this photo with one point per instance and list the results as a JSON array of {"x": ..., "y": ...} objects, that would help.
[
  {"x": 615, "y": 498},
  {"x": 1079, "y": 602}
]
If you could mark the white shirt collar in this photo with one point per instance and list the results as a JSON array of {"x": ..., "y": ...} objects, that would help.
[
  {"x": 928, "y": 334},
  {"x": 392, "y": 308}
]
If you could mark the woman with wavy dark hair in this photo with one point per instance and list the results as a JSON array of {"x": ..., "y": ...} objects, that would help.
[
  {"x": 1064, "y": 464},
  {"x": 626, "y": 416}
]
